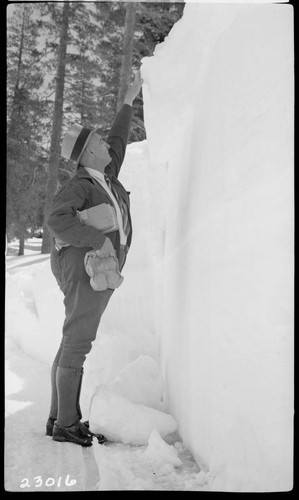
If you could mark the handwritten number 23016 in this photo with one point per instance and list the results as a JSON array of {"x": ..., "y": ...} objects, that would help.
[{"x": 50, "y": 481}]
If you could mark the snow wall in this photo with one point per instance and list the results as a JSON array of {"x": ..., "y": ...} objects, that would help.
[{"x": 218, "y": 104}]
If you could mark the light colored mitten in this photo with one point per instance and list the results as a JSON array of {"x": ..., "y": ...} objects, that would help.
[{"x": 103, "y": 271}]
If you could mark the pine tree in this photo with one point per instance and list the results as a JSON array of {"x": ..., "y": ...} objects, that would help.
[{"x": 24, "y": 77}]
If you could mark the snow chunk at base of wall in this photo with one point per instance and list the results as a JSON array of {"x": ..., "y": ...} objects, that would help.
[
  {"x": 130, "y": 407},
  {"x": 218, "y": 107},
  {"x": 123, "y": 421}
]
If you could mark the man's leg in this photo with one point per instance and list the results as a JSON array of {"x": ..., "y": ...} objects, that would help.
[
  {"x": 83, "y": 308},
  {"x": 54, "y": 396}
]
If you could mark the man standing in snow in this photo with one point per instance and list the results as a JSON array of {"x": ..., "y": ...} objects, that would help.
[{"x": 91, "y": 227}]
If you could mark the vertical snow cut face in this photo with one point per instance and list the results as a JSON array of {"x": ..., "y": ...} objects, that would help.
[{"x": 218, "y": 107}]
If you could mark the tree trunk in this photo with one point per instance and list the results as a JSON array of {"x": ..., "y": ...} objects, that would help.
[
  {"x": 56, "y": 127},
  {"x": 21, "y": 245},
  {"x": 127, "y": 55}
]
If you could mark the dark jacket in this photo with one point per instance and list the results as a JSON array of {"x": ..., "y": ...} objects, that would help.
[{"x": 79, "y": 193}]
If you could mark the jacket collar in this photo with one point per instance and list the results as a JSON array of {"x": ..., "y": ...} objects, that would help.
[
  {"x": 82, "y": 172},
  {"x": 95, "y": 174}
]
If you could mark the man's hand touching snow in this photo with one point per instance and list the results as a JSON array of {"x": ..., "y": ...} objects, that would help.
[{"x": 134, "y": 89}]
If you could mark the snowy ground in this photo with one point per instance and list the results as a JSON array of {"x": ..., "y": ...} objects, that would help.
[{"x": 33, "y": 461}]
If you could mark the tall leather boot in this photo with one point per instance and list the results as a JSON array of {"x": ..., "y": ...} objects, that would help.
[
  {"x": 54, "y": 399},
  {"x": 54, "y": 395},
  {"x": 68, "y": 383},
  {"x": 68, "y": 427}
]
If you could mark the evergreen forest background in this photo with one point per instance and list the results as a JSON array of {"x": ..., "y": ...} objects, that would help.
[{"x": 68, "y": 62}]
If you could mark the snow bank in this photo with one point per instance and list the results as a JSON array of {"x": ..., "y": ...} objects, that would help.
[
  {"x": 140, "y": 382},
  {"x": 34, "y": 310},
  {"x": 122, "y": 421},
  {"x": 131, "y": 406},
  {"x": 218, "y": 97}
]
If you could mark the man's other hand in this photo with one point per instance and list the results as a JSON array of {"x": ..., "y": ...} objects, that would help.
[{"x": 106, "y": 249}]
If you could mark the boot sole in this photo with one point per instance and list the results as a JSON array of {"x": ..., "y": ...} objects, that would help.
[
  {"x": 49, "y": 428},
  {"x": 63, "y": 439},
  {"x": 49, "y": 432}
]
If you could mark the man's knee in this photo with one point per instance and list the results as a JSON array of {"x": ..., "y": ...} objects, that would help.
[
  {"x": 84, "y": 309},
  {"x": 73, "y": 354}
]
